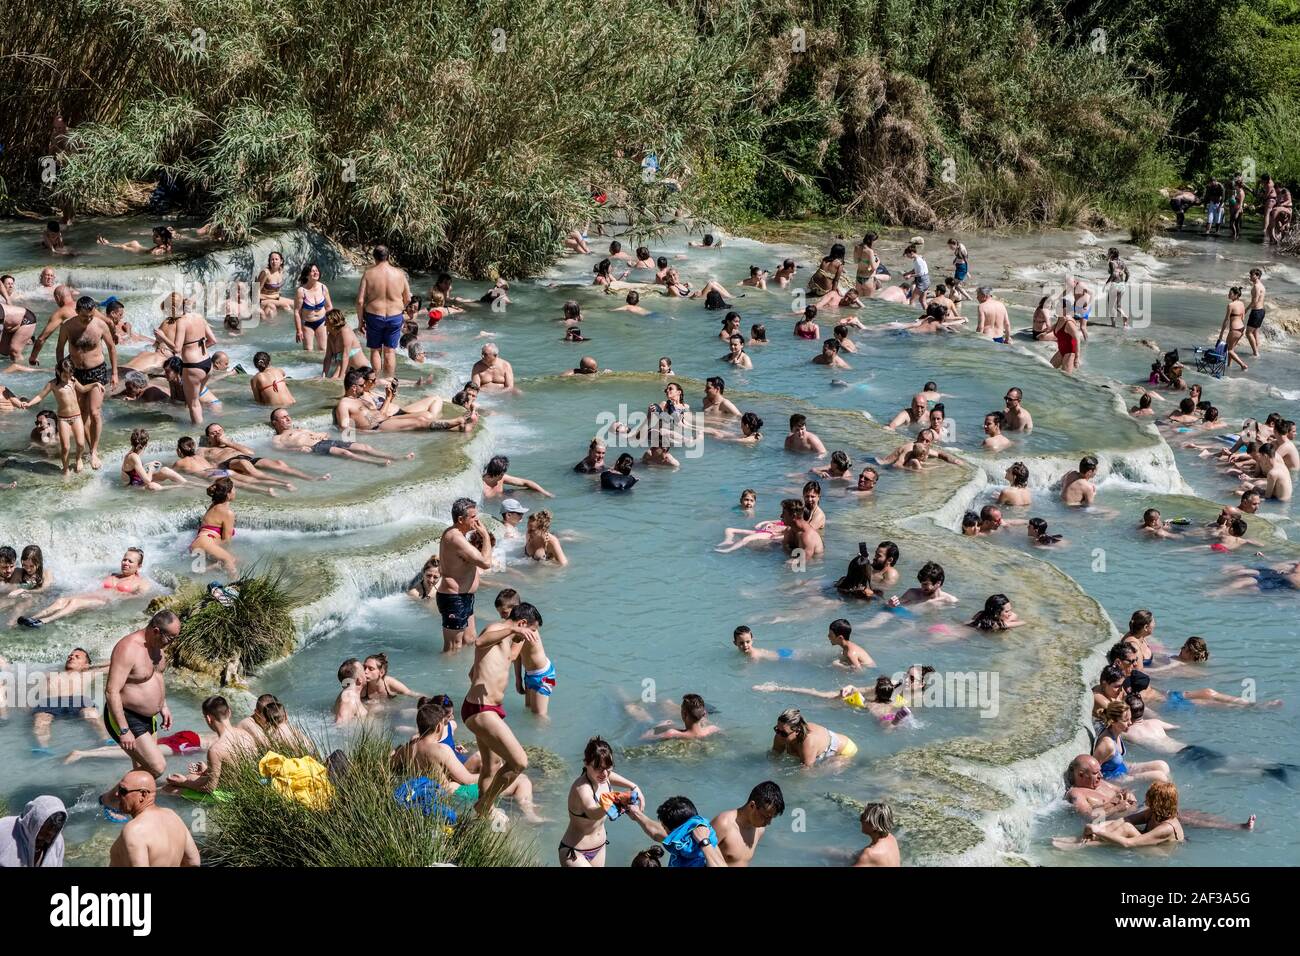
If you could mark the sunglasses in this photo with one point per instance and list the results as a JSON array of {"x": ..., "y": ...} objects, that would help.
[{"x": 123, "y": 791}]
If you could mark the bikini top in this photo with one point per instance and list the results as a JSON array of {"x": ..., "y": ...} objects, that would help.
[{"x": 114, "y": 583}]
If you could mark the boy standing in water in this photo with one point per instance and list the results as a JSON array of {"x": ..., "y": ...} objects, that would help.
[
  {"x": 534, "y": 673},
  {"x": 482, "y": 711}
]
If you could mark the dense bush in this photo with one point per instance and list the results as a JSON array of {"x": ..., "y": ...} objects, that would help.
[{"x": 472, "y": 134}]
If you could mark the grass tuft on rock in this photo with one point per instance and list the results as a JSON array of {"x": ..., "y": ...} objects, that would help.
[
  {"x": 363, "y": 826},
  {"x": 254, "y": 629}
]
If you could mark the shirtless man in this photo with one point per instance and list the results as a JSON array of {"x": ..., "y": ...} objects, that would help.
[
  {"x": 65, "y": 308},
  {"x": 715, "y": 403},
  {"x": 799, "y": 532},
  {"x": 492, "y": 371},
  {"x": 1284, "y": 443},
  {"x": 356, "y": 412},
  {"x": 461, "y": 563},
  {"x": 931, "y": 578},
  {"x": 852, "y": 655},
  {"x": 915, "y": 412},
  {"x": 382, "y": 298},
  {"x": 801, "y": 440},
  {"x": 995, "y": 440},
  {"x": 231, "y": 745},
  {"x": 785, "y": 272},
  {"x": 993, "y": 319},
  {"x": 878, "y": 826},
  {"x": 224, "y": 450},
  {"x": 348, "y": 706},
  {"x": 135, "y": 697},
  {"x": 830, "y": 355},
  {"x": 482, "y": 712},
  {"x": 289, "y": 438},
  {"x": 1276, "y": 481},
  {"x": 1016, "y": 417},
  {"x": 1077, "y": 488},
  {"x": 1090, "y": 795},
  {"x": 1255, "y": 313},
  {"x": 740, "y": 830},
  {"x": 154, "y": 836},
  {"x": 68, "y": 693},
  {"x": 925, "y": 437},
  {"x": 86, "y": 335}
]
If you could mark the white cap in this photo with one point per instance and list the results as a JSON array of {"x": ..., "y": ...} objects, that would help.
[{"x": 512, "y": 506}]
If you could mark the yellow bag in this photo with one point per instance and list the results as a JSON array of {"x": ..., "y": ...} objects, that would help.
[{"x": 304, "y": 779}]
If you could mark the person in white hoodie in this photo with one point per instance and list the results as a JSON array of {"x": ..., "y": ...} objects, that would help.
[{"x": 36, "y": 837}]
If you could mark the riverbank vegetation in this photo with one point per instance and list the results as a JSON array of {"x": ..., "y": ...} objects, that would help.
[{"x": 474, "y": 134}]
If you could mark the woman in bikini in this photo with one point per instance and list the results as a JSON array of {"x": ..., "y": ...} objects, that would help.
[
  {"x": 811, "y": 743},
  {"x": 269, "y": 282},
  {"x": 866, "y": 281},
  {"x": 311, "y": 303},
  {"x": 1233, "y": 327},
  {"x": 269, "y": 385},
  {"x": 539, "y": 543},
  {"x": 141, "y": 475},
  {"x": 379, "y": 687},
  {"x": 218, "y": 526},
  {"x": 425, "y": 584},
  {"x": 1155, "y": 825},
  {"x": 30, "y": 578},
  {"x": 72, "y": 429},
  {"x": 161, "y": 237},
  {"x": 127, "y": 582},
  {"x": 191, "y": 338},
  {"x": 343, "y": 350},
  {"x": 1109, "y": 749},
  {"x": 590, "y": 803}
]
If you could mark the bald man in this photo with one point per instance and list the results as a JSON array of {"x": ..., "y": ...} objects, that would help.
[
  {"x": 1090, "y": 795},
  {"x": 154, "y": 836}
]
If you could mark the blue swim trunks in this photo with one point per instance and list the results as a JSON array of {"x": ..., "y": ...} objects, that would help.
[
  {"x": 960, "y": 271},
  {"x": 542, "y": 681},
  {"x": 785, "y": 653},
  {"x": 383, "y": 331},
  {"x": 1176, "y": 701}
]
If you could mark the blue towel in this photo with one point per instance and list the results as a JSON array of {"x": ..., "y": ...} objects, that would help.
[
  {"x": 423, "y": 793},
  {"x": 681, "y": 846}
]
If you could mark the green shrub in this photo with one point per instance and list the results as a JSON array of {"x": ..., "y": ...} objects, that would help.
[
  {"x": 256, "y": 628},
  {"x": 363, "y": 825}
]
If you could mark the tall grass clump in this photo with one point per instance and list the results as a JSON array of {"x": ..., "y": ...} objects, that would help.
[
  {"x": 254, "y": 629},
  {"x": 363, "y": 825}
]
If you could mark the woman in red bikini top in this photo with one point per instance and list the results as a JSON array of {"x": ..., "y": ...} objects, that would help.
[{"x": 218, "y": 526}]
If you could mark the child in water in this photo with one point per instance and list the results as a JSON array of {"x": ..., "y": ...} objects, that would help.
[{"x": 67, "y": 411}]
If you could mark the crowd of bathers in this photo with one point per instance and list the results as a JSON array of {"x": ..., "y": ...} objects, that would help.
[{"x": 510, "y": 649}]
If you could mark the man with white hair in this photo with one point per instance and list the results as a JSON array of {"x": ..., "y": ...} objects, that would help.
[{"x": 492, "y": 371}]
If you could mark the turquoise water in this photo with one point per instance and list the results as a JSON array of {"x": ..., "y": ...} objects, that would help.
[{"x": 646, "y": 607}]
